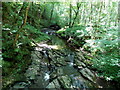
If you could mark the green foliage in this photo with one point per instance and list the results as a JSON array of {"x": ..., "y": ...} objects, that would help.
[
  {"x": 107, "y": 42},
  {"x": 102, "y": 43},
  {"x": 106, "y": 50},
  {"x": 74, "y": 35},
  {"x": 94, "y": 29},
  {"x": 17, "y": 55},
  {"x": 109, "y": 65}
]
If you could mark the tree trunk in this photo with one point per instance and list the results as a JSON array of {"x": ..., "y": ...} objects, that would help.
[
  {"x": 52, "y": 12},
  {"x": 76, "y": 13},
  {"x": 70, "y": 15},
  {"x": 24, "y": 23}
]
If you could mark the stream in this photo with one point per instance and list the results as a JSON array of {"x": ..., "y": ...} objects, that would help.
[{"x": 55, "y": 65}]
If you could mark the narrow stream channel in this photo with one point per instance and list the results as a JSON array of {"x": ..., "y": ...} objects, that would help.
[{"x": 55, "y": 65}]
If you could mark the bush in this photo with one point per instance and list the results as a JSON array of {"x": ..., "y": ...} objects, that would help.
[{"x": 101, "y": 43}]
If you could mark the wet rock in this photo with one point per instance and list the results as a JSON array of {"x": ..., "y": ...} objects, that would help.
[
  {"x": 57, "y": 59},
  {"x": 54, "y": 84},
  {"x": 33, "y": 69},
  {"x": 60, "y": 71},
  {"x": 51, "y": 55},
  {"x": 80, "y": 56},
  {"x": 51, "y": 85},
  {"x": 79, "y": 63},
  {"x": 39, "y": 82},
  {"x": 49, "y": 31},
  {"x": 88, "y": 74},
  {"x": 61, "y": 61},
  {"x": 30, "y": 73},
  {"x": 55, "y": 26},
  {"x": 65, "y": 81},
  {"x": 53, "y": 75},
  {"x": 36, "y": 56},
  {"x": 67, "y": 70},
  {"x": 19, "y": 85},
  {"x": 78, "y": 82}
]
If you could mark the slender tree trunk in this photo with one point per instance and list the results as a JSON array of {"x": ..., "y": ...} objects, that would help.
[
  {"x": 76, "y": 13},
  {"x": 70, "y": 15},
  {"x": 52, "y": 12},
  {"x": 91, "y": 13},
  {"x": 24, "y": 23},
  {"x": 82, "y": 13}
]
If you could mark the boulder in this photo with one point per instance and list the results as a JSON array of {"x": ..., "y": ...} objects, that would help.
[
  {"x": 54, "y": 84},
  {"x": 65, "y": 81},
  {"x": 55, "y": 27},
  {"x": 86, "y": 73}
]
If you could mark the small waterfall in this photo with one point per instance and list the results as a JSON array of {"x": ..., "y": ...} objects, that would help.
[
  {"x": 45, "y": 54},
  {"x": 71, "y": 59},
  {"x": 47, "y": 76},
  {"x": 46, "y": 32}
]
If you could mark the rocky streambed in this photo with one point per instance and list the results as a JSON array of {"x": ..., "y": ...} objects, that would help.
[{"x": 55, "y": 65}]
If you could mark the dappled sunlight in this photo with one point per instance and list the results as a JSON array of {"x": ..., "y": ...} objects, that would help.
[
  {"x": 89, "y": 29},
  {"x": 61, "y": 30},
  {"x": 48, "y": 46},
  {"x": 65, "y": 44},
  {"x": 91, "y": 42}
]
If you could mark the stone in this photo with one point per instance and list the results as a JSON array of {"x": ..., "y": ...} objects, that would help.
[
  {"x": 54, "y": 84},
  {"x": 65, "y": 81},
  {"x": 60, "y": 71},
  {"x": 79, "y": 63},
  {"x": 87, "y": 74},
  {"x": 61, "y": 61},
  {"x": 19, "y": 85}
]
